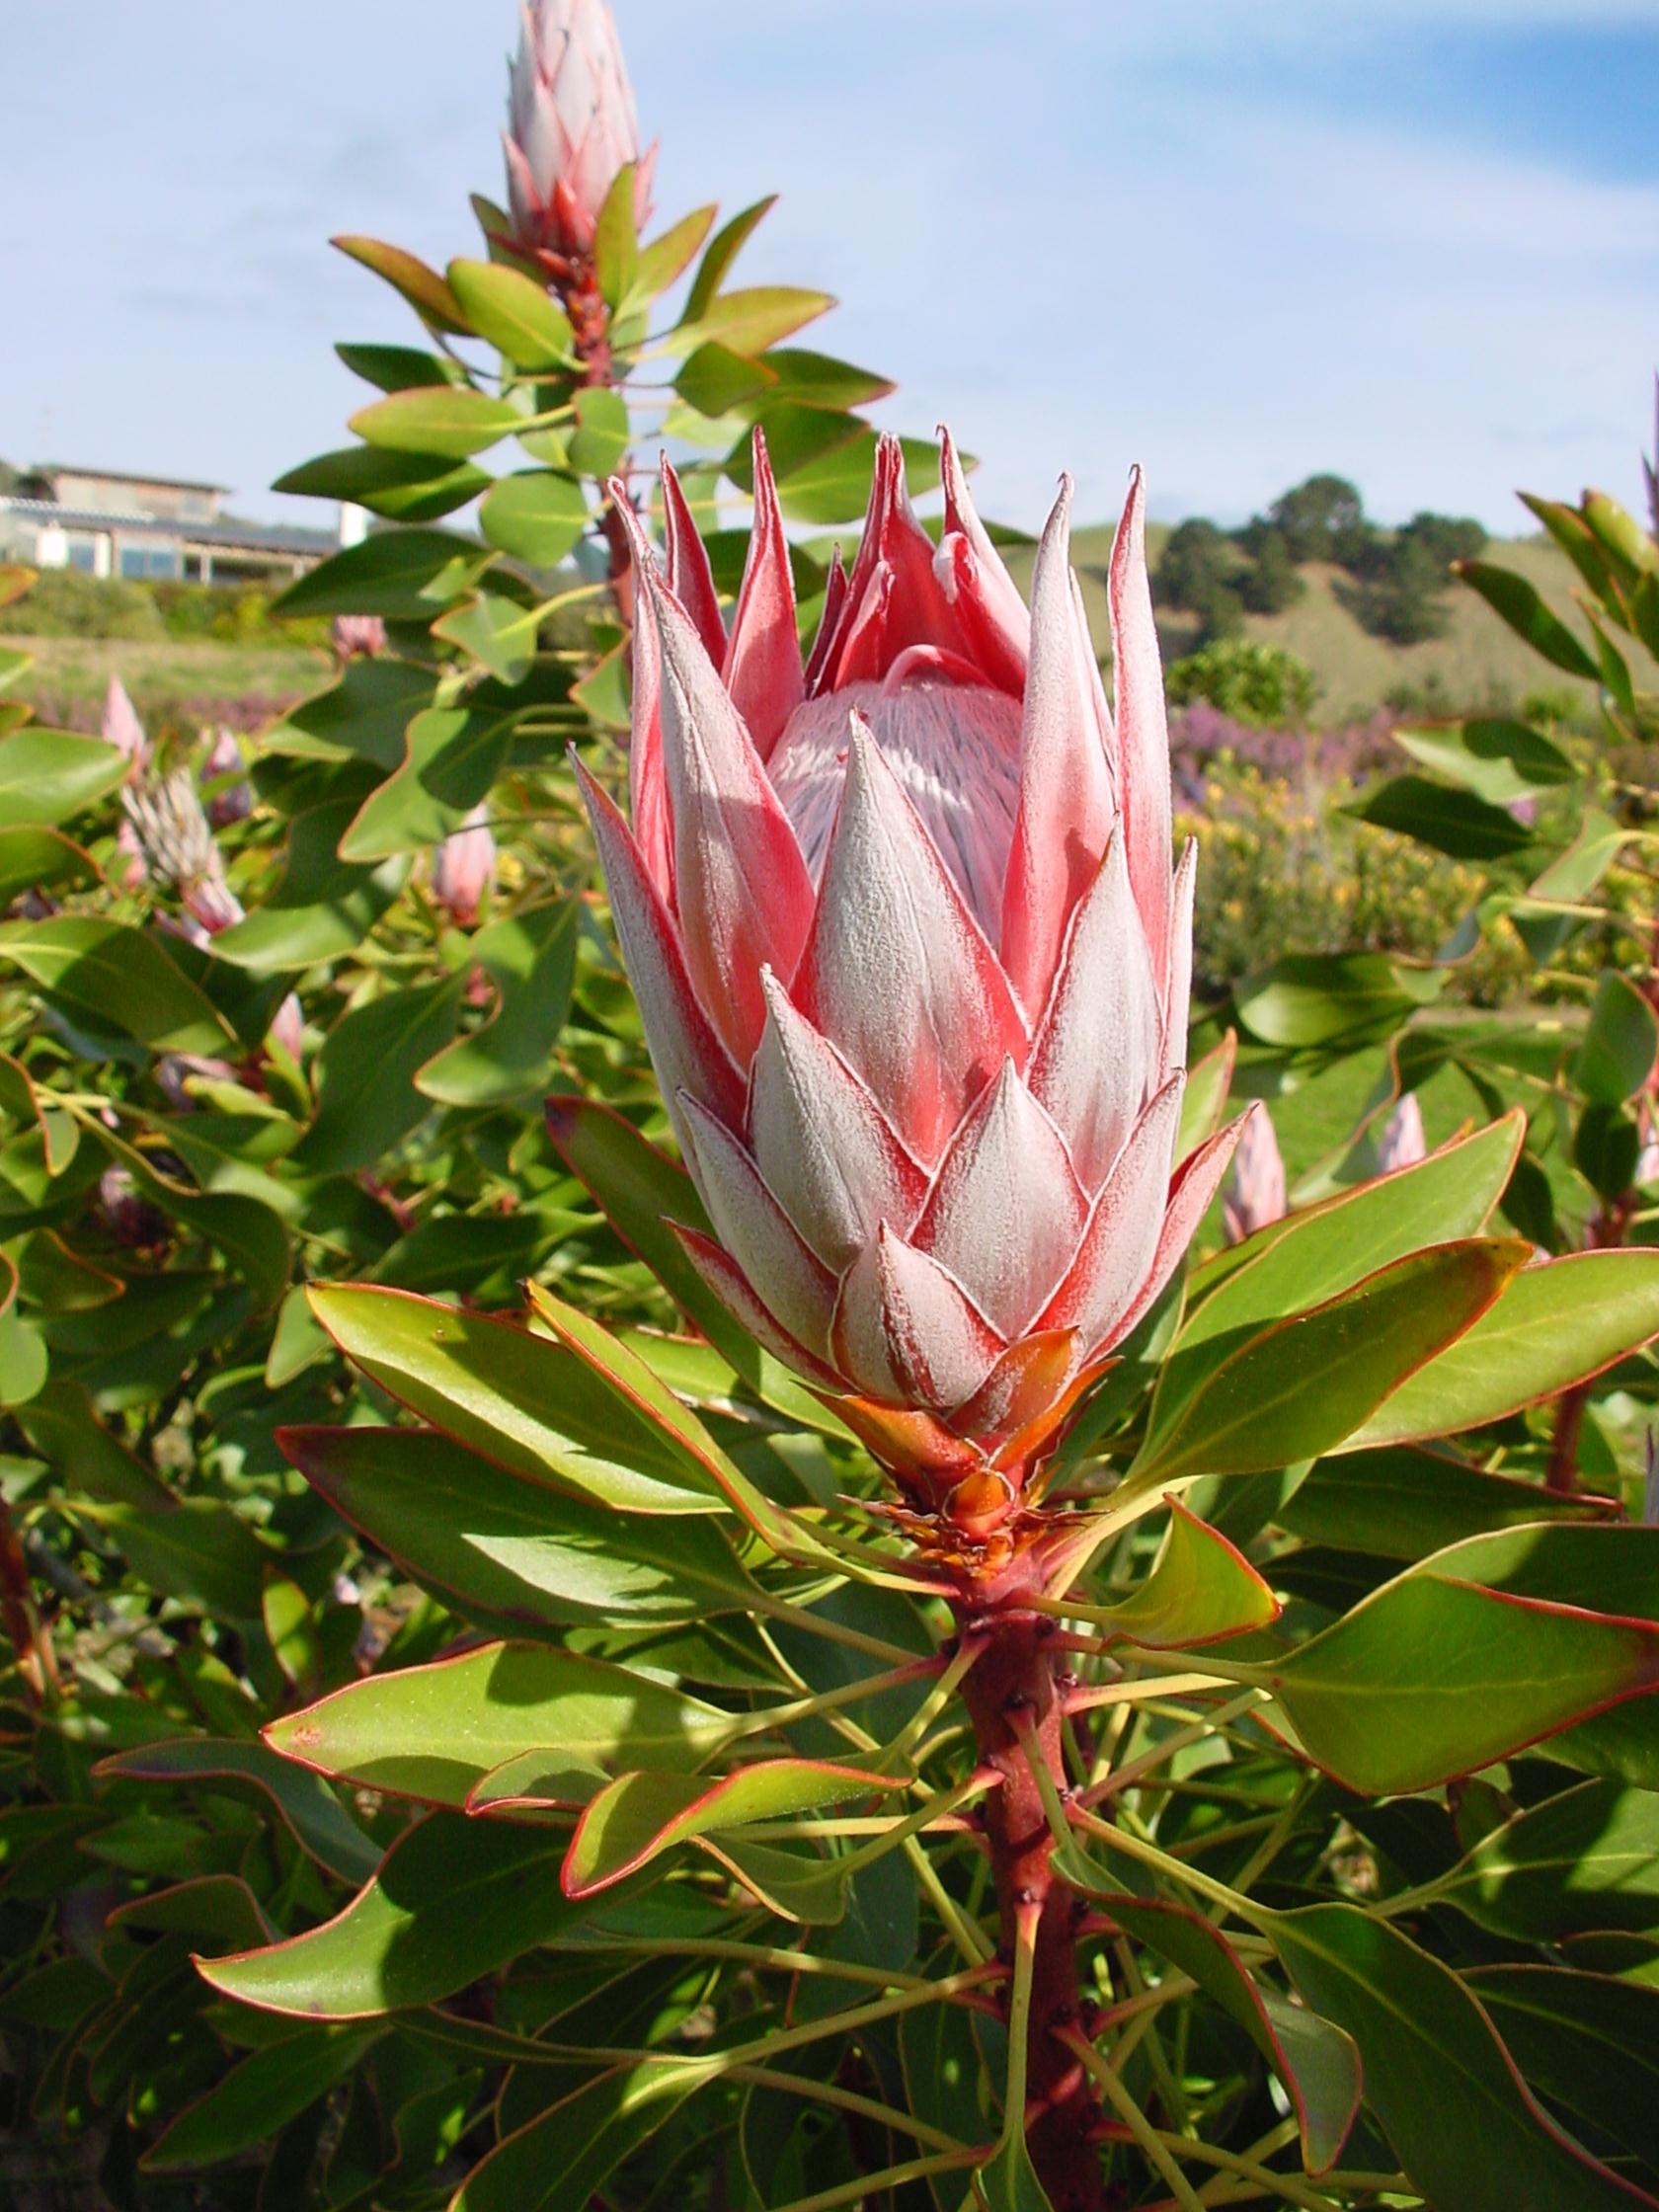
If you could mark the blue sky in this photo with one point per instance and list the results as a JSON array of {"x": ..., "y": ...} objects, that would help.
[{"x": 1416, "y": 241}]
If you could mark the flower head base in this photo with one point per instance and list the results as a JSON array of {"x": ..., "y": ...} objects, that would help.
[
  {"x": 571, "y": 127},
  {"x": 912, "y": 964}
]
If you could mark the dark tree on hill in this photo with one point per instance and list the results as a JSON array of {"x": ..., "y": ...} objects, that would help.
[
  {"x": 1270, "y": 582},
  {"x": 1322, "y": 519},
  {"x": 1446, "y": 537},
  {"x": 1197, "y": 558},
  {"x": 1220, "y": 613},
  {"x": 1403, "y": 597}
]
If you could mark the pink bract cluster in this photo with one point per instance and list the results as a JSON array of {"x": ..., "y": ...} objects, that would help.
[
  {"x": 572, "y": 126},
  {"x": 912, "y": 962}
]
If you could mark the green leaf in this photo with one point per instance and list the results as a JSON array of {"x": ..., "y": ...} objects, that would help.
[
  {"x": 1007, "y": 2181},
  {"x": 1587, "y": 2040},
  {"x": 38, "y": 858},
  {"x": 757, "y": 316},
  {"x": 362, "y": 715},
  {"x": 24, "y": 1360},
  {"x": 1583, "y": 1862},
  {"x": 452, "y": 1900},
  {"x": 509, "y": 1552},
  {"x": 1329, "y": 999},
  {"x": 197, "y": 1549},
  {"x": 1402, "y": 1502},
  {"x": 1518, "y": 603},
  {"x": 406, "y": 487},
  {"x": 514, "y": 313},
  {"x": 616, "y": 239},
  {"x": 566, "y": 2154},
  {"x": 393, "y": 368},
  {"x": 120, "y": 977},
  {"x": 603, "y": 430},
  {"x": 528, "y": 1402},
  {"x": 531, "y": 958},
  {"x": 639, "y": 1816},
  {"x": 62, "y": 1425},
  {"x": 1552, "y": 1326},
  {"x": 714, "y": 379},
  {"x": 365, "y": 1075},
  {"x": 307, "y": 1808},
  {"x": 823, "y": 381},
  {"x": 537, "y": 516},
  {"x": 670, "y": 254},
  {"x": 1461, "y": 2124},
  {"x": 447, "y": 420},
  {"x": 1617, "y": 1053},
  {"x": 436, "y": 1732},
  {"x": 1497, "y": 760},
  {"x": 255, "y": 2099},
  {"x": 244, "y": 1229},
  {"x": 723, "y": 249},
  {"x": 1200, "y": 1590},
  {"x": 453, "y": 757},
  {"x": 405, "y": 575},
  {"x": 495, "y": 631},
  {"x": 1577, "y": 870},
  {"x": 1447, "y": 820},
  {"x": 1432, "y": 1677},
  {"x": 323, "y": 906},
  {"x": 423, "y": 288},
  {"x": 1254, "y": 1412},
  {"x": 48, "y": 776}
]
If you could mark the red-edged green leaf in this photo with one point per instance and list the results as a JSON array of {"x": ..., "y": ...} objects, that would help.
[
  {"x": 1519, "y": 603},
  {"x": 257, "y": 2098},
  {"x": 423, "y": 288},
  {"x": 1201, "y": 1590},
  {"x": 304, "y": 1804},
  {"x": 514, "y": 313}
]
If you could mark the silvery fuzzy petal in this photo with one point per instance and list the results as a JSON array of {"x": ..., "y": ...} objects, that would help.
[
  {"x": 570, "y": 125},
  {"x": 1177, "y": 997},
  {"x": 792, "y": 1279},
  {"x": 1255, "y": 1195},
  {"x": 896, "y": 971},
  {"x": 1402, "y": 1143},
  {"x": 1143, "y": 730},
  {"x": 1194, "y": 1186},
  {"x": 1096, "y": 1060},
  {"x": 906, "y": 1330},
  {"x": 1118, "y": 1247},
  {"x": 1006, "y": 1211},
  {"x": 1066, "y": 805},
  {"x": 826, "y": 1150},
  {"x": 727, "y": 1280},
  {"x": 685, "y": 1051}
]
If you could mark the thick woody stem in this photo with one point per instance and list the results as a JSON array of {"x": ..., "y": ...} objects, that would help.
[
  {"x": 17, "y": 1611},
  {"x": 1016, "y": 1710}
]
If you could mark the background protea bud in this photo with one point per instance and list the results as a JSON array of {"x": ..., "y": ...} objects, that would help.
[
  {"x": 354, "y": 634},
  {"x": 175, "y": 842},
  {"x": 464, "y": 867},
  {"x": 571, "y": 127},
  {"x": 913, "y": 965},
  {"x": 230, "y": 797},
  {"x": 1401, "y": 1144},
  {"x": 120, "y": 727},
  {"x": 1255, "y": 1190}
]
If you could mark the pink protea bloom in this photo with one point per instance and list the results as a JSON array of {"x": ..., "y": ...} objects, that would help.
[
  {"x": 120, "y": 727},
  {"x": 227, "y": 801},
  {"x": 1255, "y": 1195},
  {"x": 464, "y": 867},
  {"x": 912, "y": 964},
  {"x": 1402, "y": 1143},
  {"x": 571, "y": 126},
  {"x": 352, "y": 635}
]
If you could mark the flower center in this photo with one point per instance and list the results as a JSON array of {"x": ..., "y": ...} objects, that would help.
[{"x": 954, "y": 747}]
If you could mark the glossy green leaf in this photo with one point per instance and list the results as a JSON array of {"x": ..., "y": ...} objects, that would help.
[
  {"x": 509, "y": 1553},
  {"x": 393, "y": 368},
  {"x": 537, "y": 516},
  {"x": 61, "y": 1422},
  {"x": 525, "y": 1401},
  {"x": 366, "y": 1073},
  {"x": 723, "y": 250},
  {"x": 670, "y": 254},
  {"x": 1519, "y": 603},
  {"x": 823, "y": 381},
  {"x": 531, "y": 958},
  {"x": 453, "y": 755},
  {"x": 423, "y": 288},
  {"x": 1576, "y": 871},
  {"x": 258, "y": 2097},
  {"x": 404, "y": 486},
  {"x": 1587, "y": 2040},
  {"x": 514, "y": 313},
  {"x": 1462, "y": 2125},
  {"x": 120, "y": 975},
  {"x": 405, "y": 575},
  {"x": 39, "y": 858},
  {"x": 1585, "y": 1860},
  {"x": 639, "y": 1816},
  {"x": 616, "y": 238},
  {"x": 1403, "y": 1502},
  {"x": 493, "y": 630},
  {"x": 246, "y": 1230},
  {"x": 755, "y": 317},
  {"x": 305, "y": 1805},
  {"x": 49, "y": 775},
  {"x": 452, "y": 1900},
  {"x": 1552, "y": 1326},
  {"x": 601, "y": 433},
  {"x": 1309, "y": 999},
  {"x": 714, "y": 379},
  {"x": 1008, "y": 2181},
  {"x": 1498, "y": 760},
  {"x": 447, "y": 420},
  {"x": 1619, "y": 1045},
  {"x": 24, "y": 1360},
  {"x": 565, "y": 2156},
  {"x": 323, "y": 906},
  {"x": 435, "y": 1732},
  {"x": 1200, "y": 1590},
  {"x": 362, "y": 715},
  {"x": 1253, "y": 1412},
  {"x": 1444, "y": 818}
]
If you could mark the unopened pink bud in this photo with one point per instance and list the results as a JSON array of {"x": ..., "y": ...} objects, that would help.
[
  {"x": 571, "y": 126},
  {"x": 464, "y": 867},
  {"x": 232, "y": 801},
  {"x": 1255, "y": 1195},
  {"x": 121, "y": 728},
  {"x": 1401, "y": 1144},
  {"x": 358, "y": 634}
]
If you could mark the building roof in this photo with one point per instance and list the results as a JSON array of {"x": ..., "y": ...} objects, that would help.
[
  {"x": 122, "y": 476},
  {"x": 261, "y": 538}
]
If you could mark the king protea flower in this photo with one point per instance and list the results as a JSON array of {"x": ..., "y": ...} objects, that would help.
[
  {"x": 571, "y": 127},
  {"x": 912, "y": 964}
]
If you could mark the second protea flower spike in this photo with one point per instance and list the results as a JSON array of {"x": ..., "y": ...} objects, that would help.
[
  {"x": 913, "y": 963},
  {"x": 571, "y": 127}
]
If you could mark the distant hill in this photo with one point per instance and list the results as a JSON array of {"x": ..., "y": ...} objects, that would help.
[{"x": 1478, "y": 663}]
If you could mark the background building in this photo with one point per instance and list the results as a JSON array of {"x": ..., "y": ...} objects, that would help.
[{"x": 107, "y": 522}]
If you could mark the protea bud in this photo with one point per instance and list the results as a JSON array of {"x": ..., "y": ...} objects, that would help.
[
  {"x": 1401, "y": 1144},
  {"x": 464, "y": 867},
  {"x": 912, "y": 965},
  {"x": 571, "y": 127},
  {"x": 176, "y": 846},
  {"x": 229, "y": 800},
  {"x": 1255, "y": 1192},
  {"x": 120, "y": 727},
  {"x": 355, "y": 635}
]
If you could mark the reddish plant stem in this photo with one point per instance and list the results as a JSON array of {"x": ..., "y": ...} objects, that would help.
[
  {"x": 35, "y": 1660},
  {"x": 1012, "y": 1693}
]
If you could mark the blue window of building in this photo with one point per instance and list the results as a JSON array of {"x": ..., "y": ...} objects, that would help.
[{"x": 149, "y": 561}]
